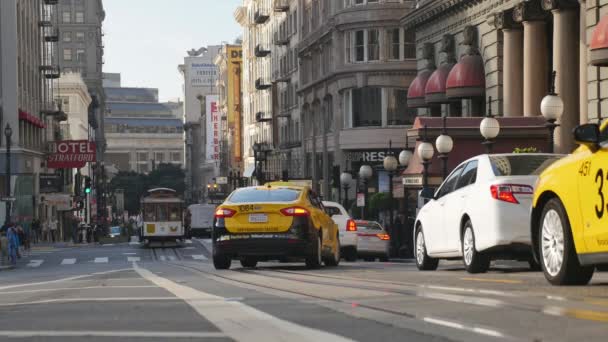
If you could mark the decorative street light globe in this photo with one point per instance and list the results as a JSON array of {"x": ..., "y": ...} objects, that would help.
[
  {"x": 365, "y": 171},
  {"x": 552, "y": 107},
  {"x": 346, "y": 178},
  {"x": 404, "y": 158},
  {"x": 390, "y": 163},
  {"x": 444, "y": 144},
  {"x": 489, "y": 128},
  {"x": 426, "y": 151}
]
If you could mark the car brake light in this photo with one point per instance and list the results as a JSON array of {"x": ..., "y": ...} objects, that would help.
[
  {"x": 383, "y": 236},
  {"x": 224, "y": 213},
  {"x": 507, "y": 192},
  {"x": 351, "y": 226},
  {"x": 295, "y": 211}
]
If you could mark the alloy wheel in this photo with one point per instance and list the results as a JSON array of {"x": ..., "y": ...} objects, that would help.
[{"x": 552, "y": 243}]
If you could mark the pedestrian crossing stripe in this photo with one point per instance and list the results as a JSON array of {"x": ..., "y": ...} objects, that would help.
[
  {"x": 199, "y": 257},
  {"x": 68, "y": 261},
  {"x": 133, "y": 259},
  {"x": 103, "y": 260},
  {"x": 163, "y": 258},
  {"x": 35, "y": 263}
]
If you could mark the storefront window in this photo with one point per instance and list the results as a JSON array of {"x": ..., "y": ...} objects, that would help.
[{"x": 367, "y": 107}]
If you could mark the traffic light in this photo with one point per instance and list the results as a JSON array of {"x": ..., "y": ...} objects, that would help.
[{"x": 87, "y": 185}]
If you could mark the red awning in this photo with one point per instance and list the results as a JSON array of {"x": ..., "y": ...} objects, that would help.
[
  {"x": 435, "y": 87},
  {"x": 467, "y": 79},
  {"x": 599, "y": 43},
  {"x": 27, "y": 117},
  {"x": 417, "y": 90}
]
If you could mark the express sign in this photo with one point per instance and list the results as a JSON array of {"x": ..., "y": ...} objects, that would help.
[{"x": 71, "y": 154}]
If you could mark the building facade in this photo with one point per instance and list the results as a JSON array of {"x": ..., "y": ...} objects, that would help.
[
  {"x": 355, "y": 64},
  {"x": 200, "y": 78},
  {"x": 28, "y": 65},
  {"x": 141, "y": 132}
]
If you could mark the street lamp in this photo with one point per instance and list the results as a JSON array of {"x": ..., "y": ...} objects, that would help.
[
  {"x": 390, "y": 164},
  {"x": 444, "y": 145},
  {"x": 425, "y": 153},
  {"x": 8, "y": 133},
  {"x": 489, "y": 127},
  {"x": 365, "y": 173},
  {"x": 552, "y": 108},
  {"x": 345, "y": 179}
]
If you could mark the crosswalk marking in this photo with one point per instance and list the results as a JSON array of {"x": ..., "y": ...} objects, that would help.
[
  {"x": 172, "y": 258},
  {"x": 188, "y": 241},
  {"x": 68, "y": 261},
  {"x": 133, "y": 259},
  {"x": 163, "y": 258},
  {"x": 103, "y": 260},
  {"x": 199, "y": 257},
  {"x": 35, "y": 263}
]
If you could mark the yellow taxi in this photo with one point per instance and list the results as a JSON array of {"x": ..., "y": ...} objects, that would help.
[
  {"x": 274, "y": 222},
  {"x": 569, "y": 222}
]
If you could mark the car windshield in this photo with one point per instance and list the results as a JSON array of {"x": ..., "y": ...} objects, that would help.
[
  {"x": 259, "y": 195},
  {"x": 521, "y": 165},
  {"x": 115, "y": 230}
]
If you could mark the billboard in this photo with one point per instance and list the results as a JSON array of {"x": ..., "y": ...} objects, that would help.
[
  {"x": 235, "y": 62},
  {"x": 214, "y": 127},
  {"x": 203, "y": 74},
  {"x": 71, "y": 154}
]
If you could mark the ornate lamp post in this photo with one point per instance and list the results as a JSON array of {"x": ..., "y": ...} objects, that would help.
[
  {"x": 345, "y": 179},
  {"x": 425, "y": 152},
  {"x": 390, "y": 164},
  {"x": 365, "y": 173},
  {"x": 8, "y": 133},
  {"x": 489, "y": 128},
  {"x": 444, "y": 145},
  {"x": 552, "y": 108}
]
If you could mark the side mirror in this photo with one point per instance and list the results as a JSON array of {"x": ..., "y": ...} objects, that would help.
[
  {"x": 588, "y": 135},
  {"x": 427, "y": 194}
]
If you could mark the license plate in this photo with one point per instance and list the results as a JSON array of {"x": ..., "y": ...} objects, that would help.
[{"x": 258, "y": 218}]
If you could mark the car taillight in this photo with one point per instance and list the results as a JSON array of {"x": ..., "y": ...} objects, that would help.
[
  {"x": 507, "y": 192},
  {"x": 295, "y": 211},
  {"x": 351, "y": 226},
  {"x": 383, "y": 236},
  {"x": 224, "y": 213}
]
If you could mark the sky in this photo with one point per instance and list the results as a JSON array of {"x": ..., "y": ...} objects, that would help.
[{"x": 146, "y": 40}]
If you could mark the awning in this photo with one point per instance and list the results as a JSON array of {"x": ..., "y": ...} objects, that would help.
[
  {"x": 599, "y": 43},
  {"x": 249, "y": 171},
  {"x": 435, "y": 87},
  {"x": 417, "y": 90},
  {"x": 27, "y": 117},
  {"x": 467, "y": 78}
]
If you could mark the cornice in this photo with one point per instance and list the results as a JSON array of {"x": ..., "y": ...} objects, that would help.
[{"x": 435, "y": 9}]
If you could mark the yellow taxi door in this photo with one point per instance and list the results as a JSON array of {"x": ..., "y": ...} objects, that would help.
[
  {"x": 593, "y": 200},
  {"x": 318, "y": 216}
]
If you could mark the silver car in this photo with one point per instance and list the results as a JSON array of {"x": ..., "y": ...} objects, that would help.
[{"x": 374, "y": 241}]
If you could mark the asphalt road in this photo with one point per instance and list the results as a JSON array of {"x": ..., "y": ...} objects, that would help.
[{"x": 126, "y": 293}]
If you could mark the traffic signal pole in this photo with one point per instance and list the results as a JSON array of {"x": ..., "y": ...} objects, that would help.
[{"x": 87, "y": 208}]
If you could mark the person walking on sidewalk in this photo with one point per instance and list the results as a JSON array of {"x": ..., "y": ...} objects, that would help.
[
  {"x": 45, "y": 231},
  {"x": 53, "y": 229},
  {"x": 13, "y": 244},
  {"x": 35, "y": 233}
]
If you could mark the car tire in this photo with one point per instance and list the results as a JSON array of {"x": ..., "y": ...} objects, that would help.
[
  {"x": 423, "y": 261},
  {"x": 249, "y": 262},
  {"x": 534, "y": 265},
  {"x": 474, "y": 261},
  {"x": 313, "y": 259},
  {"x": 334, "y": 259},
  {"x": 221, "y": 262},
  {"x": 350, "y": 254},
  {"x": 556, "y": 248}
]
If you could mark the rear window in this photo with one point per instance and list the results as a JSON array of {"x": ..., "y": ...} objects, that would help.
[
  {"x": 369, "y": 225},
  {"x": 333, "y": 210},
  {"x": 250, "y": 195},
  {"x": 523, "y": 165}
]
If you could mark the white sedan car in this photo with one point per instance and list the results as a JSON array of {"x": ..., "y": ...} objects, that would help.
[
  {"x": 347, "y": 229},
  {"x": 481, "y": 212}
]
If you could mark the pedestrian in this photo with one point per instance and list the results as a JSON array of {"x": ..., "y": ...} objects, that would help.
[
  {"x": 3, "y": 246},
  {"x": 13, "y": 245},
  {"x": 45, "y": 231},
  {"x": 21, "y": 235},
  {"x": 53, "y": 230},
  {"x": 35, "y": 232}
]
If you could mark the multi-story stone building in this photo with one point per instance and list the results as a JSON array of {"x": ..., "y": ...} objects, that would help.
[
  {"x": 28, "y": 66},
  {"x": 356, "y": 62},
  {"x": 141, "y": 132},
  {"x": 200, "y": 79}
]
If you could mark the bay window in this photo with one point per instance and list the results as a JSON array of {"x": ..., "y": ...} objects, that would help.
[
  {"x": 363, "y": 45},
  {"x": 367, "y": 107},
  {"x": 393, "y": 43},
  {"x": 376, "y": 107}
]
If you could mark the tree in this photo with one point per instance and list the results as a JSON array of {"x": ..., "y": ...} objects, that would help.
[
  {"x": 134, "y": 186},
  {"x": 167, "y": 176}
]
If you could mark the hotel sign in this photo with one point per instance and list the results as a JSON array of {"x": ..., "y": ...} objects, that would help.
[{"x": 71, "y": 154}]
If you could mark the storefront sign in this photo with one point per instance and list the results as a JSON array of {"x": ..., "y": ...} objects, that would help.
[
  {"x": 71, "y": 154},
  {"x": 50, "y": 182},
  {"x": 368, "y": 156},
  {"x": 222, "y": 180},
  {"x": 412, "y": 180},
  {"x": 62, "y": 202},
  {"x": 213, "y": 129}
]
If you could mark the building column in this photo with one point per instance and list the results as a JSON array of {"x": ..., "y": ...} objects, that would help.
[
  {"x": 513, "y": 76},
  {"x": 535, "y": 66},
  {"x": 582, "y": 73},
  {"x": 565, "y": 59}
]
